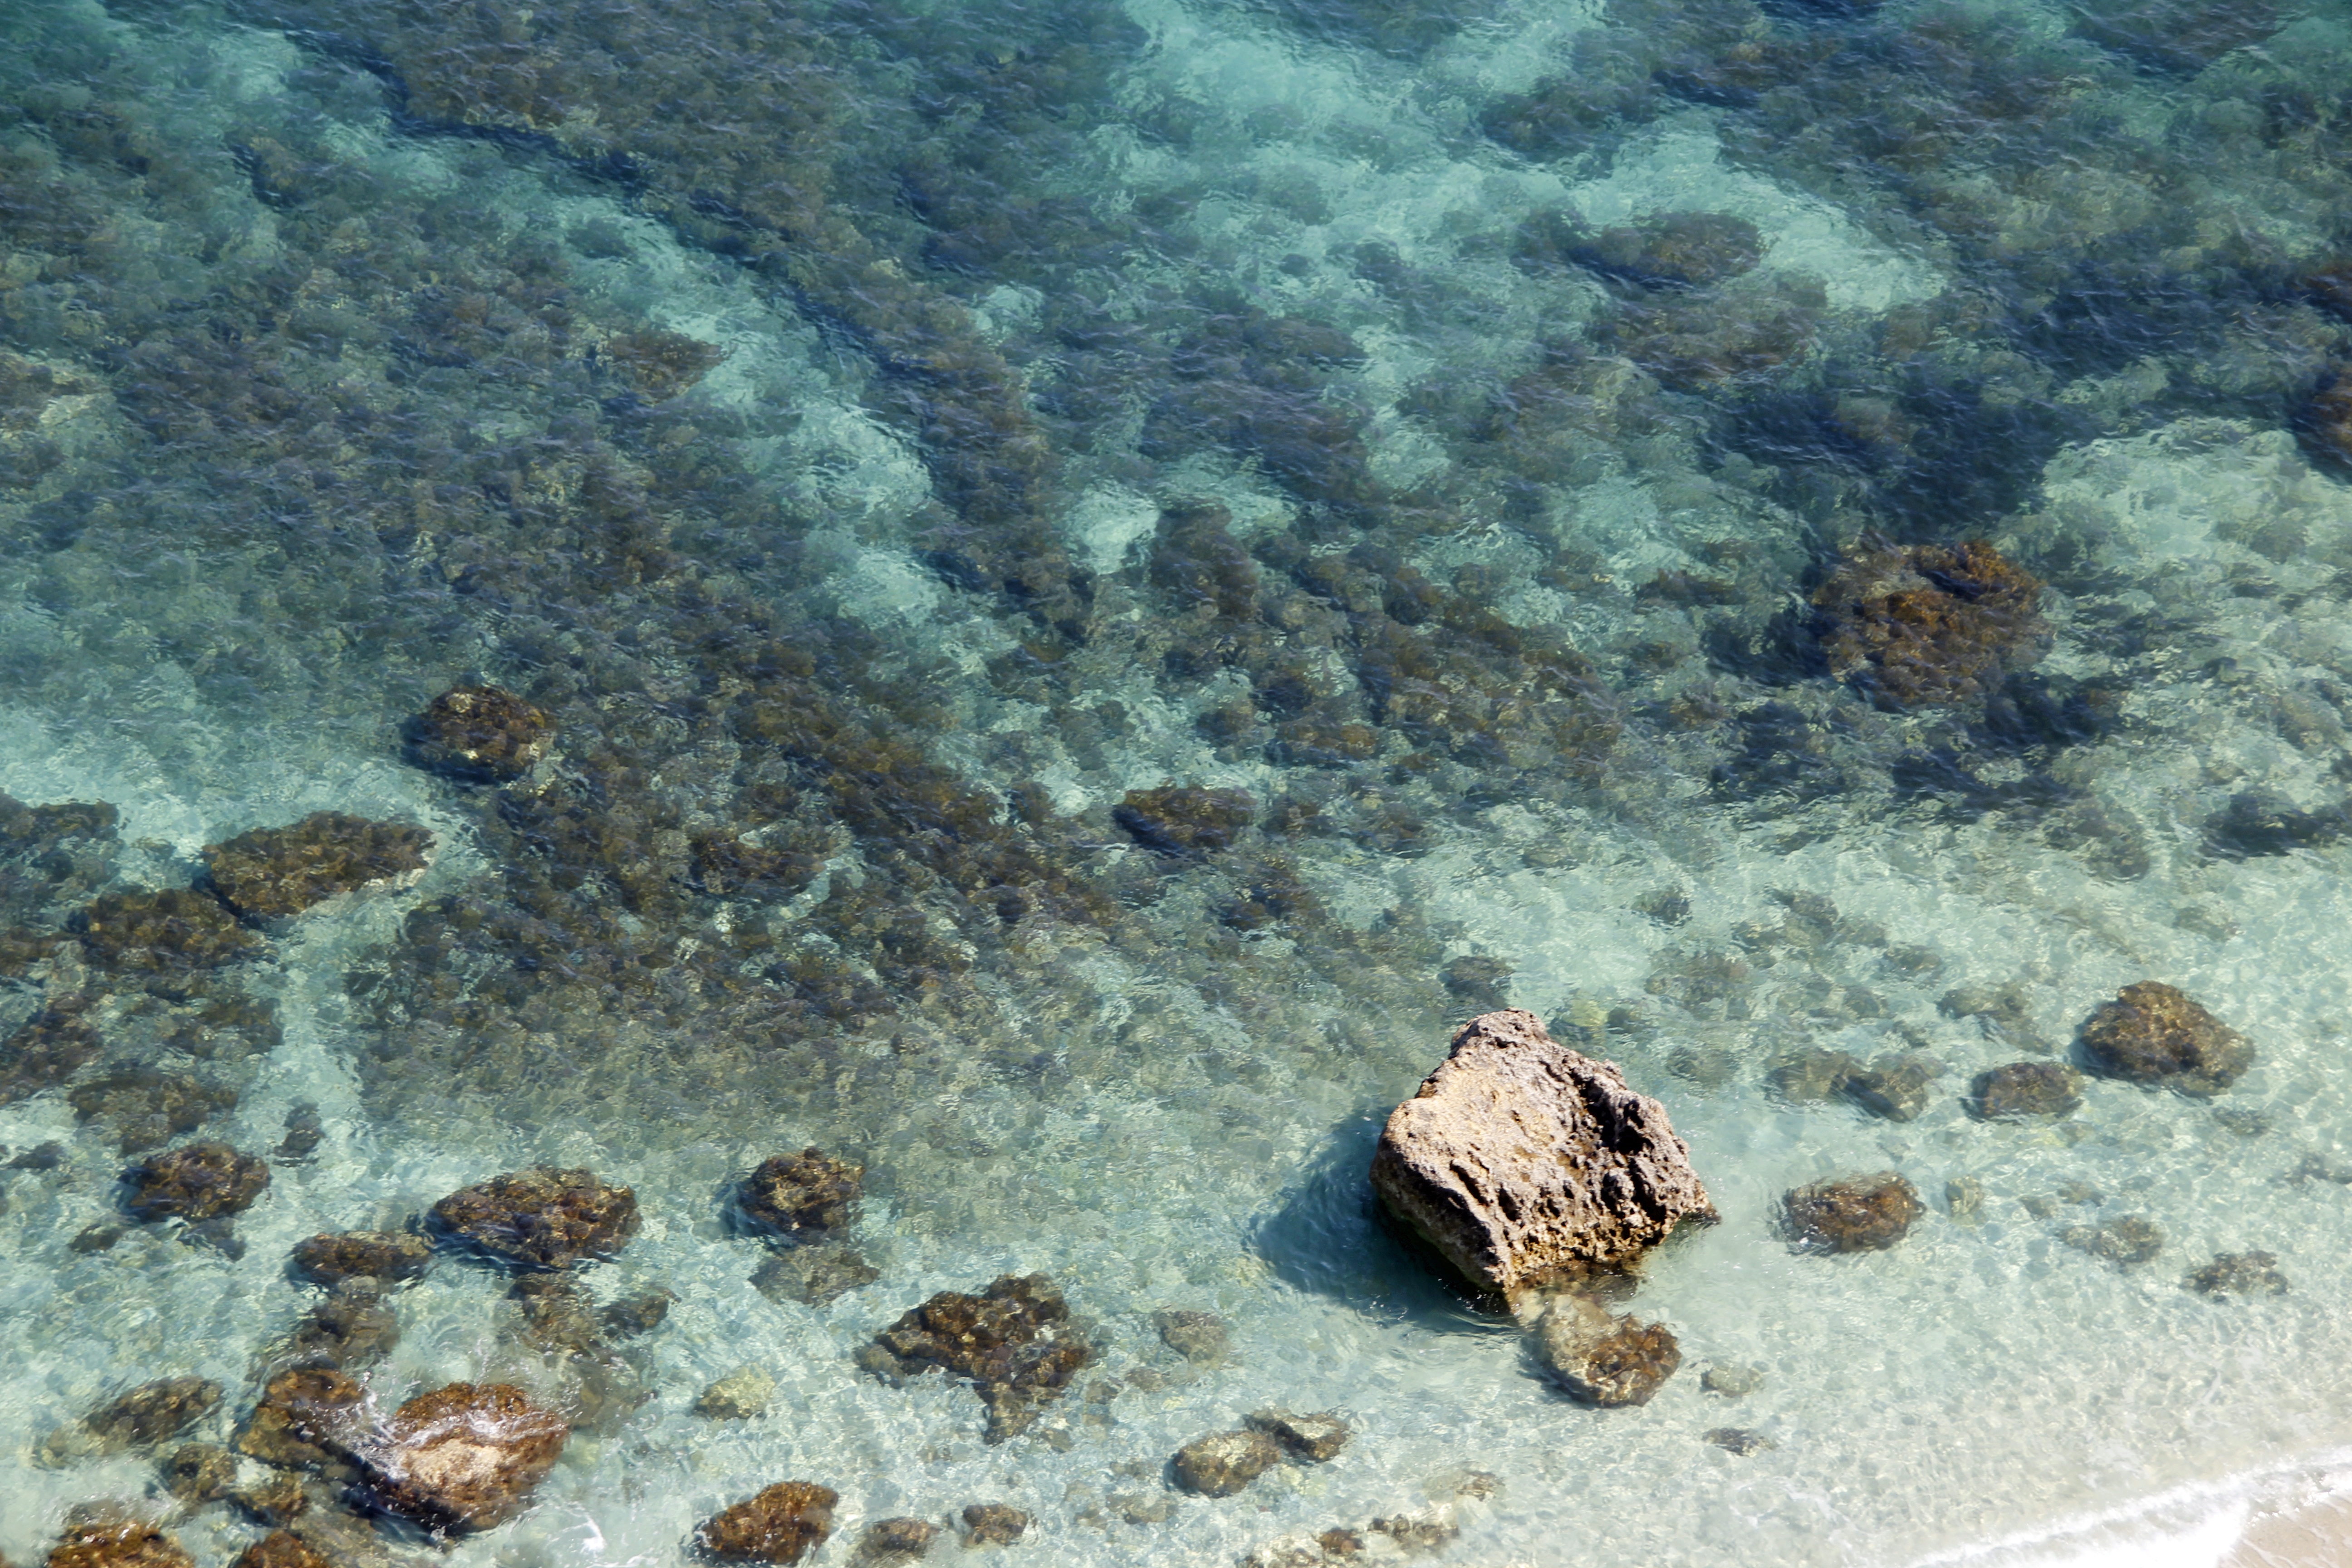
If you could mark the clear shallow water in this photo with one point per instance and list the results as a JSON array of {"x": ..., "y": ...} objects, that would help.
[{"x": 315, "y": 406}]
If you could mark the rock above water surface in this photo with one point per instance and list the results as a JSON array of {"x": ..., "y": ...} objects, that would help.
[
  {"x": 2025, "y": 1089},
  {"x": 782, "y": 1524},
  {"x": 117, "y": 1543},
  {"x": 2153, "y": 1033},
  {"x": 1603, "y": 1360},
  {"x": 1521, "y": 1161},
  {"x": 196, "y": 1182},
  {"x": 1858, "y": 1214},
  {"x": 462, "y": 1457},
  {"x": 387, "y": 1256},
  {"x": 1225, "y": 1462},
  {"x": 276, "y": 871},
  {"x": 1013, "y": 1341},
  {"x": 542, "y": 1217},
  {"x": 801, "y": 1195},
  {"x": 482, "y": 732}
]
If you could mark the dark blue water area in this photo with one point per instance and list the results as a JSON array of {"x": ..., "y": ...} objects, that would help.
[{"x": 1042, "y": 600}]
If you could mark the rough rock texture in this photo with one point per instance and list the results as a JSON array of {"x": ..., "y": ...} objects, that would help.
[
  {"x": 1895, "y": 1087},
  {"x": 1225, "y": 1462},
  {"x": 801, "y": 1195},
  {"x": 1184, "y": 822},
  {"x": 2132, "y": 1239},
  {"x": 199, "y": 1473},
  {"x": 281, "y": 1549},
  {"x": 177, "y": 929},
  {"x": 1014, "y": 1341},
  {"x": 387, "y": 1256},
  {"x": 350, "y": 1327},
  {"x": 1314, "y": 1438},
  {"x": 814, "y": 1275},
  {"x": 896, "y": 1540},
  {"x": 117, "y": 1543},
  {"x": 1739, "y": 1440},
  {"x": 782, "y": 1524},
  {"x": 738, "y": 1397},
  {"x": 1521, "y": 1161},
  {"x": 2025, "y": 1089},
  {"x": 1194, "y": 1335},
  {"x": 49, "y": 1049},
  {"x": 639, "y": 1314},
  {"x": 277, "y": 1502},
  {"x": 2152, "y": 1033},
  {"x": 480, "y": 733},
  {"x": 1928, "y": 625},
  {"x": 275, "y": 871},
  {"x": 148, "y": 1108},
  {"x": 994, "y": 1524},
  {"x": 196, "y": 1182},
  {"x": 1858, "y": 1214},
  {"x": 462, "y": 1457},
  {"x": 1731, "y": 1380},
  {"x": 140, "y": 1417},
  {"x": 541, "y": 1218},
  {"x": 303, "y": 1421},
  {"x": 2238, "y": 1274},
  {"x": 1604, "y": 1360}
]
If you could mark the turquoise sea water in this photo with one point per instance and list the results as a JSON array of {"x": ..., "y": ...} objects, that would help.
[{"x": 824, "y": 412}]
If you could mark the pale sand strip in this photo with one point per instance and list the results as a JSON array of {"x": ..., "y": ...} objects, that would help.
[{"x": 2319, "y": 1536}]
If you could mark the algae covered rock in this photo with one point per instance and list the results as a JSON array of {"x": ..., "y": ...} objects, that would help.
[
  {"x": 741, "y": 1395},
  {"x": 304, "y": 1420},
  {"x": 177, "y": 929},
  {"x": 814, "y": 1275},
  {"x": 994, "y": 1524},
  {"x": 196, "y": 1182},
  {"x": 1193, "y": 1334},
  {"x": 2129, "y": 1240},
  {"x": 1013, "y": 1341},
  {"x": 481, "y": 732},
  {"x": 1604, "y": 1360},
  {"x": 888, "y": 1540},
  {"x": 540, "y": 1218},
  {"x": 1184, "y": 822},
  {"x": 1925, "y": 625},
  {"x": 141, "y": 1418},
  {"x": 801, "y": 1195},
  {"x": 1521, "y": 1161},
  {"x": 199, "y": 1473},
  {"x": 2239, "y": 1274},
  {"x": 276, "y": 871},
  {"x": 1224, "y": 1463},
  {"x": 2018, "y": 1089},
  {"x": 463, "y": 1458},
  {"x": 782, "y": 1524},
  {"x": 387, "y": 1256},
  {"x": 117, "y": 1543},
  {"x": 350, "y": 1327},
  {"x": 281, "y": 1548},
  {"x": 49, "y": 1049},
  {"x": 1313, "y": 1438},
  {"x": 1688, "y": 251},
  {"x": 2153, "y": 1033},
  {"x": 1895, "y": 1087},
  {"x": 147, "y": 1107},
  {"x": 1857, "y": 1214}
]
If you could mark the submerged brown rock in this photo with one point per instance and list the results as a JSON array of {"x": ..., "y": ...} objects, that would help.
[
  {"x": 1224, "y": 1463},
  {"x": 304, "y": 1420},
  {"x": 1185, "y": 822},
  {"x": 480, "y": 733},
  {"x": 177, "y": 929},
  {"x": 1522, "y": 1162},
  {"x": 1013, "y": 1341},
  {"x": 195, "y": 1182},
  {"x": 1604, "y": 1360},
  {"x": 281, "y": 1548},
  {"x": 118, "y": 1543},
  {"x": 2153, "y": 1033},
  {"x": 801, "y": 1195},
  {"x": 140, "y": 1417},
  {"x": 276, "y": 871},
  {"x": 1858, "y": 1214},
  {"x": 462, "y": 1457},
  {"x": 542, "y": 1217},
  {"x": 387, "y": 1256},
  {"x": 781, "y": 1524},
  {"x": 2025, "y": 1089},
  {"x": 1927, "y": 625}
]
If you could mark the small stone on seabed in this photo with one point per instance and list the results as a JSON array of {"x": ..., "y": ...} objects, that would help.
[
  {"x": 801, "y": 1195},
  {"x": 1731, "y": 1380},
  {"x": 814, "y": 1275},
  {"x": 1603, "y": 1360},
  {"x": 994, "y": 1524},
  {"x": 738, "y": 1397},
  {"x": 200, "y": 1472},
  {"x": 1225, "y": 1462},
  {"x": 2128, "y": 1240},
  {"x": 1194, "y": 1335},
  {"x": 782, "y": 1524},
  {"x": 1858, "y": 1214},
  {"x": 139, "y": 1418},
  {"x": 2153, "y": 1033},
  {"x": 2238, "y": 1274},
  {"x": 2025, "y": 1089},
  {"x": 1013, "y": 1341},
  {"x": 281, "y": 1548},
  {"x": 1739, "y": 1440},
  {"x": 887, "y": 1539},
  {"x": 1313, "y": 1438},
  {"x": 388, "y": 1256}
]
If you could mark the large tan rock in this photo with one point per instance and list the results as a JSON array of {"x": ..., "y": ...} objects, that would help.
[{"x": 1525, "y": 1163}]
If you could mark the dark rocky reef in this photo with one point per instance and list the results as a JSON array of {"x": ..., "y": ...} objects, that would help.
[
  {"x": 140, "y": 1417},
  {"x": 799, "y": 1197},
  {"x": 782, "y": 1524},
  {"x": 1686, "y": 250},
  {"x": 388, "y": 1257},
  {"x": 1604, "y": 1360},
  {"x": 177, "y": 930},
  {"x": 148, "y": 1108},
  {"x": 277, "y": 872},
  {"x": 196, "y": 1183},
  {"x": 480, "y": 733},
  {"x": 118, "y": 1543},
  {"x": 2019, "y": 1090},
  {"x": 1014, "y": 1342},
  {"x": 2153, "y": 1033},
  {"x": 1183, "y": 821},
  {"x": 1857, "y": 1214},
  {"x": 304, "y": 1421},
  {"x": 1522, "y": 1162},
  {"x": 51, "y": 1047},
  {"x": 540, "y": 1218},
  {"x": 1928, "y": 625}
]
